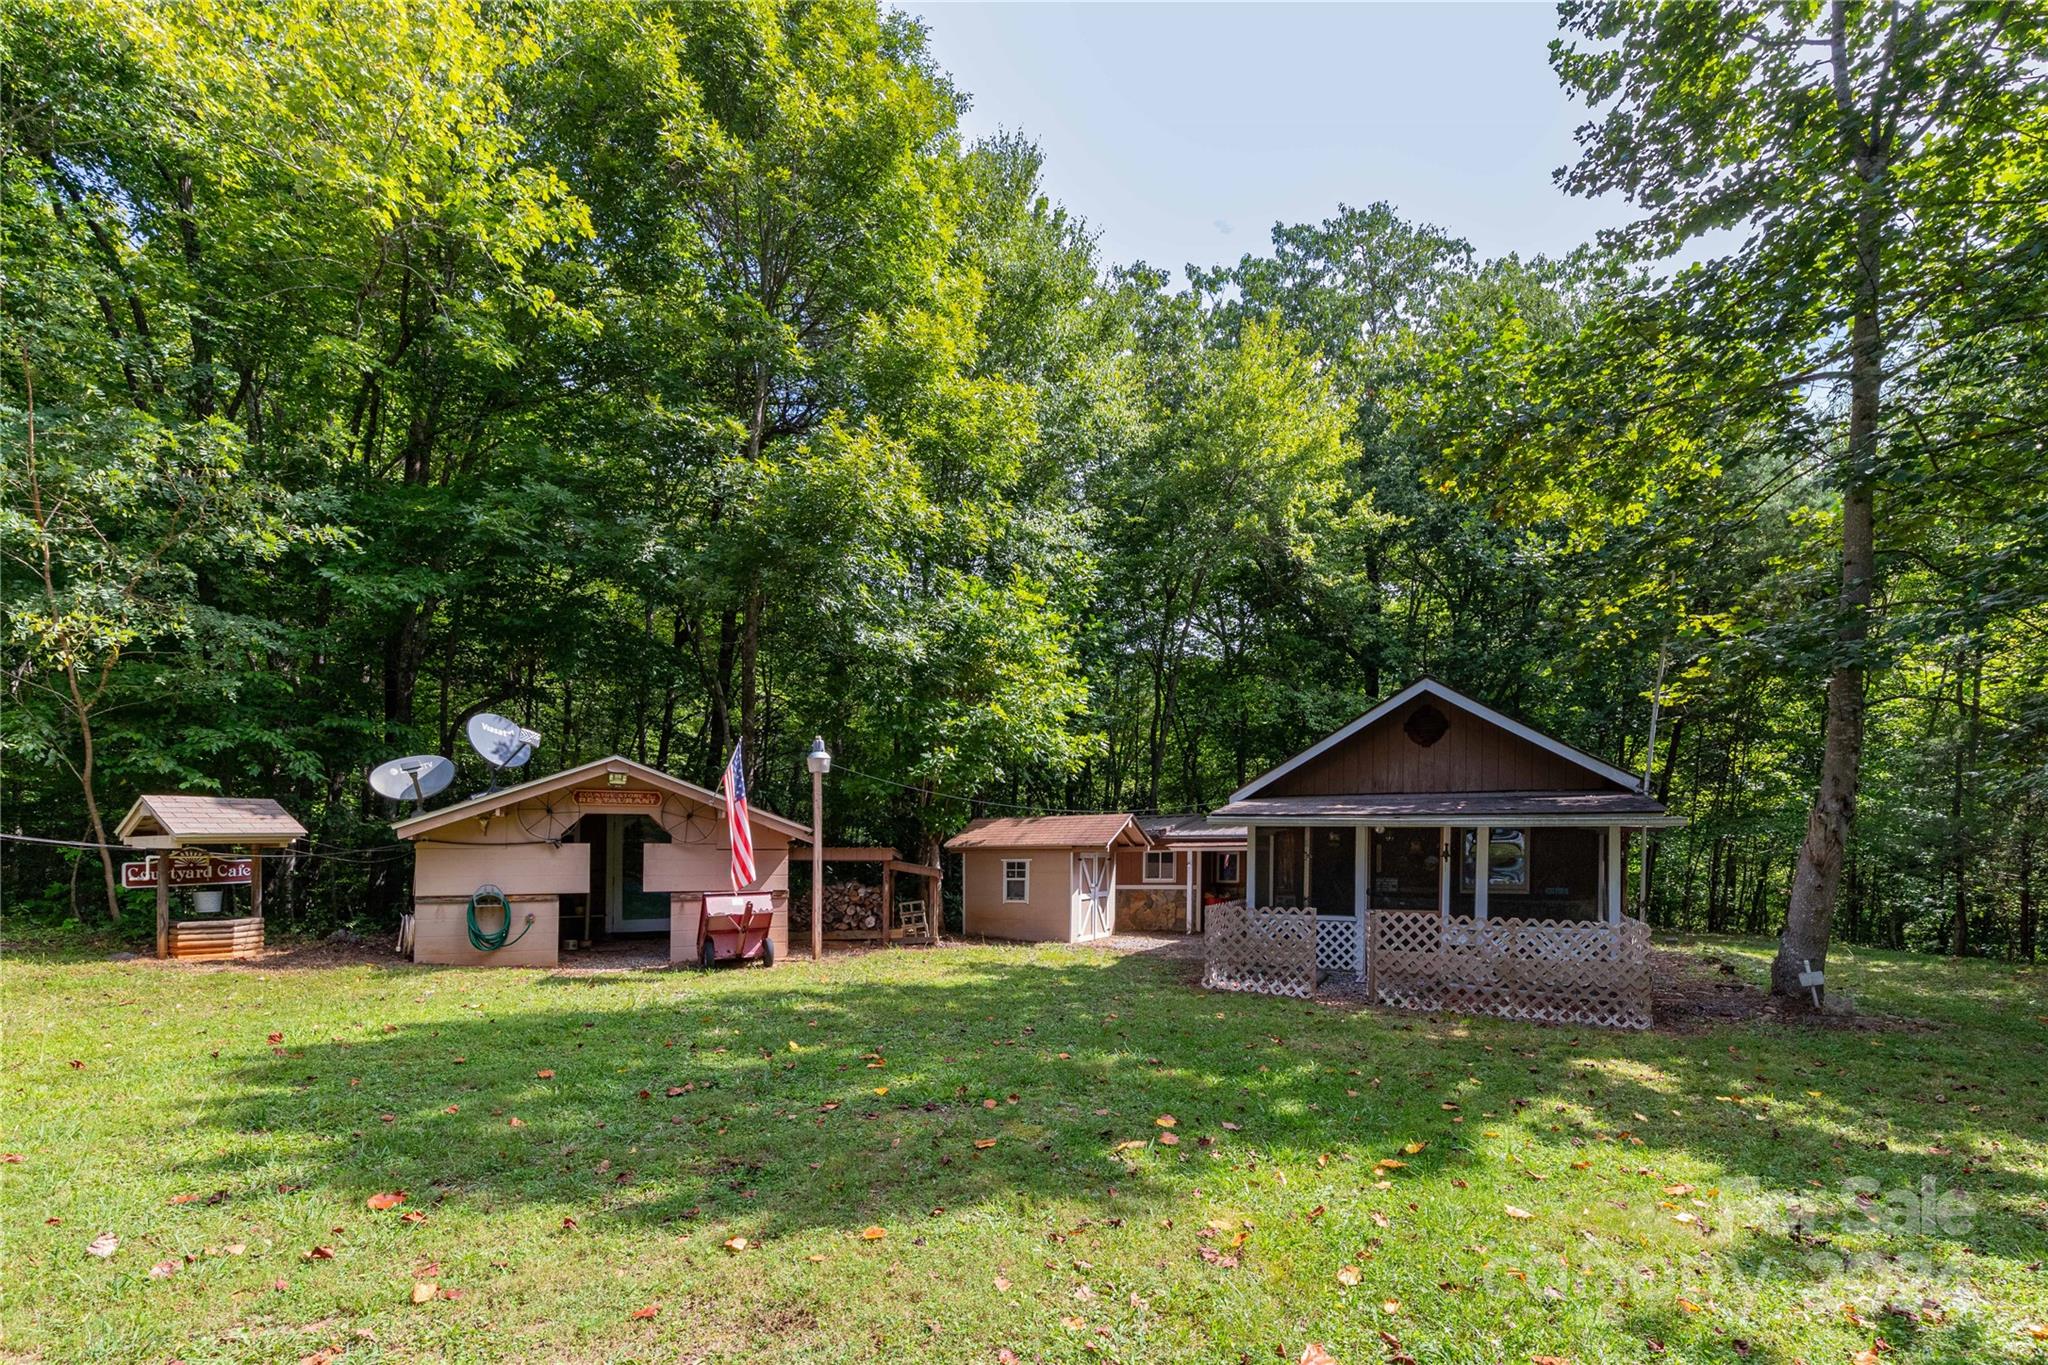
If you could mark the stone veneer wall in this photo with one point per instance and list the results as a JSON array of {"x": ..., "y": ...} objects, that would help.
[{"x": 1143, "y": 910}]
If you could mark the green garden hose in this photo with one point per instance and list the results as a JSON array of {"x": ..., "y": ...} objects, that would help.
[{"x": 490, "y": 942}]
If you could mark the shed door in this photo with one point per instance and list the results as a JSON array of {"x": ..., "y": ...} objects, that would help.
[
  {"x": 628, "y": 908},
  {"x": 1092, "y": 882}
]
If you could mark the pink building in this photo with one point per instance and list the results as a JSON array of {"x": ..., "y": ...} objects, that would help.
[{"x": 608, "y": 849}]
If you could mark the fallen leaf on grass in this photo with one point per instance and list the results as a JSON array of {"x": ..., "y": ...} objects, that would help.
[
  {"x": 983, "y": 1144},
  {"x": 275, "y": 1038},
  {"x": 412, "y": 1216},
  {"x": 320, "y": 1254},
  {"x": 423, "y": 1291},
  {"x": 383, "y": 1202},
  {"x": 234, "y": 1248},
  {"x": 1689, "y": 1306},
  {"x": 873, "y": 1234},
  {"x": 816, "y": 1258},
  {"x": 736, "y": 1244},
  {"x": 1230, "y": 1127},
  {"x": 10, "y": 1158},
  {"x": 1166, "y": 1120},
  {"x": 1349, "y": 1275},
  {"x": 1516, "y": 1213},
  {"x": 1073, "y": 1324},
  {"x": 643, "y": 1314},
  {"x": 103, "y": 1245},
  {"x": 1168, "y": 1140},
  {"x": 1550, "y": 1360},
  {"x": 545, "y": 1074},
  {"x": 1411, "y": 1148},
  {"x": 163, "y": 1270},
  {"x": 1002, "y": 1285},
  {"x": 1314, "y": 1354},
  {"x": 1392, "y": 1305}
]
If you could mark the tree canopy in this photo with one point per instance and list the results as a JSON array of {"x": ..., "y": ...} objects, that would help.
[{"x": 665, "y": 375}]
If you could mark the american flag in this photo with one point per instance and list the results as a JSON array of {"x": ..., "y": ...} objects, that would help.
[{"x": 737, "y": 823}]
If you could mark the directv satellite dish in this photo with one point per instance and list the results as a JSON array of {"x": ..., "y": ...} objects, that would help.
[
  {"x": 501, "y": 743},
  {"x": 412, "y": 779}
]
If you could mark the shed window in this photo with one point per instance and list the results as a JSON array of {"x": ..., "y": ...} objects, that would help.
[
  {"x": 1158, "y": 866},
  {"x": 1016, "y": 879}
]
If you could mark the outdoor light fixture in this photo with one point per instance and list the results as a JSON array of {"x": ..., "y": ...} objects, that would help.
[{"x": 819, "y": 761}]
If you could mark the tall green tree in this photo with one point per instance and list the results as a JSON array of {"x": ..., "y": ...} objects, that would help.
[{"x": 1850, "y": 142}]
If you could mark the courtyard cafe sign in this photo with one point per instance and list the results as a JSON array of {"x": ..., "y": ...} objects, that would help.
[{"x": 189, "y": 867}]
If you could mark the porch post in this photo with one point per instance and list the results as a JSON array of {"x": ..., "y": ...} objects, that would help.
[
  {"x": 1251, "y": 866},
  {"x": 1443, "y": 872},
  {"x": 1482, "y": 870},
  {"x": 1194, "y": 860},
  {"x": 1617, "y": 868},
  {"x": 1361, "y": 887}
]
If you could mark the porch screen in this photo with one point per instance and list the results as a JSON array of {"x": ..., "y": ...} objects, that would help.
[
  {"x": 1404, "y": 869},
  {"x": 1333, "y": 870},
  {"x": 1308, "y": 867}
]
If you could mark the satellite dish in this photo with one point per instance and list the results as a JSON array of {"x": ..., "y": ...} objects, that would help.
[
  {"x": 502, "y": 743},
  {"x": 412, "y": 779}
]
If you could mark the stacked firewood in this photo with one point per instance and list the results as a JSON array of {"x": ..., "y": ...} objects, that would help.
[{"x": 849, "y": 906}]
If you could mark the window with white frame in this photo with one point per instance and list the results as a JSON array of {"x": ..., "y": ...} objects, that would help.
[
  {"x": 1016, "y": 880},
  {"x": 1158, "y": 865}
]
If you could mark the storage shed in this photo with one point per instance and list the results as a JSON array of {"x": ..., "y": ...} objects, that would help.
[
  {"x": 607, "y": 849},
  {"x": 1042, "y": 878}
]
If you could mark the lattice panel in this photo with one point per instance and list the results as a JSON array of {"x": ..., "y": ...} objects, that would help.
[
  {"x": 1272, "y": 952},
  {"x": 1556, "y": 971},
  {"x": 1337, "y": 944}
]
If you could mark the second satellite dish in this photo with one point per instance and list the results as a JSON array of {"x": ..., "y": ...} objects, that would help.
[
  {"x": 502, "y": 743},
  {"x": 414, "y": 778}
]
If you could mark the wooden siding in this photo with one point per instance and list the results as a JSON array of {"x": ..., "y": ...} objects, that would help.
[
  {"x": 458, "y": 869},
  {"x": 1048, "y": 916},
  {"x": 1474, "y": 755},
  {"x": 441, "y": 933}
]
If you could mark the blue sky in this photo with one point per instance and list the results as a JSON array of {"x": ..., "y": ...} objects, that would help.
[{"x": 1182, "y": 132}]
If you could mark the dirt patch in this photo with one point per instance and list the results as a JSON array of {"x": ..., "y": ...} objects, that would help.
[{"x": 1694, "y": 991}]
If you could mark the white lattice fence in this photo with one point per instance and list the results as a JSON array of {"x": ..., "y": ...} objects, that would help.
[
  {"x": 1559, "y": 971},
  {"x": 1272, "y": 952},
  {"x": 1337, "y": 944}
]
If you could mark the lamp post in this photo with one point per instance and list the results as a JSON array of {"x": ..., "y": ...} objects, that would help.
[{"x": 820, "y": 763}]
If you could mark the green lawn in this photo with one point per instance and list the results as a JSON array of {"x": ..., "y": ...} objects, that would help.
[{"x": 224, "y": 1123}]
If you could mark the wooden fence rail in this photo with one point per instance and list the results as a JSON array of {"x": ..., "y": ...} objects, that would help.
[
  {"x": 1272, "y": 952},
  {"x": 1557, "y": 971}
]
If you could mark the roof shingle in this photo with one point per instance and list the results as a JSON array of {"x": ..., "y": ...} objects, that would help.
[{"x": 1048, "y": 831}]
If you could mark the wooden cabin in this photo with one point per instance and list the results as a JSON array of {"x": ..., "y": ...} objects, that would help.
[
  {"x": 1399, "y": 809},
  {"x": 606, "y": 850},
  {"x": 1043, "y": 878}
]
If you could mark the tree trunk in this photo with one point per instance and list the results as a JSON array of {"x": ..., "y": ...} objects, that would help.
[
  {"x": 1816, "y": 878},
  {"x": 2026, "y": 880}
]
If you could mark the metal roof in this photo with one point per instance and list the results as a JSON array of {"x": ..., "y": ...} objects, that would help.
[
  {"x": 209, "y": 819},
  {"x": 1189, "y": 829},
  {"x": 1049, "y": 831},
  {"x": 1449, "y": 808}
]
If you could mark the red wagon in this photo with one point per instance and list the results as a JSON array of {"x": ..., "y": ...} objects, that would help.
[{"x": 734, "y": 927}]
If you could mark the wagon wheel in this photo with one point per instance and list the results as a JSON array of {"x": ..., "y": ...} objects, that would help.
[
  {"x": 768, "y": 952},
  {"x": 548, "y": 818},
  {"x": 707, "y": 954}
]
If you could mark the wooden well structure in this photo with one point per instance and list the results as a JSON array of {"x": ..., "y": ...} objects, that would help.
[{"x": 199, "y": 843}]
